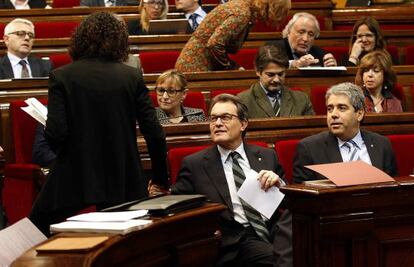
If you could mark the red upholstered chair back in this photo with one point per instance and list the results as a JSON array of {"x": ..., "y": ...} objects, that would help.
[
  {"x": 192, "y": 100},
  {"x": 402, "y": 145},
  {"x": 60, "y": 60},
  {"x": 245, "y": 57},
  {"x": 409, "y": 55},
  {"x": 176, "y": 156},
  {"x": 23, "y": 131},
  {"x": 55, "y": 29},
  {"x": 317, "y": 97},
  {"x": 232, "y": 91},
  {"x": 158, "y": 61},
  {"x": 65, "y": 3},
  {"x": 285, "y": 150},
  {"x": 339, "y": 52}
]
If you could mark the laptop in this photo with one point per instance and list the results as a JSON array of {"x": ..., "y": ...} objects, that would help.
[{"x": 168, "y": 26}]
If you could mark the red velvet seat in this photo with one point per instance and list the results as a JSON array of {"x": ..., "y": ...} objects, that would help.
[
  {"x": 339, "y": 52},
  {"x": 176, "y": 156},
  {"x": 409, "y": 55},
  {"x": 158, "y": 61},
  {"x": 60, "y": 60},
  {"x": 192, "y": 100},
  {"x": 245, "y": 57},
  {"x": 232, "y": 91},
  {"x": 402, "y": 144},
  {"x": 317, "y": 97},
  {"x": 21, "y": 181},
  {"x": 54, "y": 29},
  {"x": 65, "y": 3},
  {"x": 285, "y": 150}
]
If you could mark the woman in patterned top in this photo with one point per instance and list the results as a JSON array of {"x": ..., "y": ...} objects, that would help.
[
  {"x": 376, "y": 77},
  {"x": 224, "y": 30},
  {"x": 171, "y": 89}
]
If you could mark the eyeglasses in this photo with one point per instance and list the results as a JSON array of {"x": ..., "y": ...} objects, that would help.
[
  {"x": 154, "y": 3},
  {"x": 225, "y": 118},
  {"x": 367, "y": 35},
  {"x": 170, "y": 92},
  {"x": 23, "y": 34}
]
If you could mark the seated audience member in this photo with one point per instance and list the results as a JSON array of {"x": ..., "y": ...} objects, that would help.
[
  {"x": 344, "y": 141},
  {"x": 366, "y": 37},
  {"x": 218, "y": 171},
  {"x": 22, "y": 4},
  {"x": 171, "y": 89},
  {"x": 149, "y": 10},
  {"x": 223, "y": 32},
  {"x": 193, "y": 12},
  {"x": 269, "y": 97},
  {"x": 298, "y": 38},
  {"x": 18, "y": 38},
  {"x": 105, "y": 3},
  {"x": 42, "y": 153},
  {"x": 377, "y": 79}
]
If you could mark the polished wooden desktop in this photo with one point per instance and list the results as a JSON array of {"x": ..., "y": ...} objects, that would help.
[
  {"x": 188, "y": 238},
  {"x": 358, "y": 226}
]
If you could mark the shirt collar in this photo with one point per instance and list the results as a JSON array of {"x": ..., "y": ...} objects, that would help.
[
  {"x": 277, "y": 94},
  {"x": 357, "y": 139},
  {"x": 199, "y": 11},
  {"x": 224, "y": 153},
  {"x": 24, "y": 6},
  {"x": 14, "y": 60}
]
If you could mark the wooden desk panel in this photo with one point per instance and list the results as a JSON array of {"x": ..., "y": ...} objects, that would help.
[
  {"x": 370, "y": 225},
  {"x": 186, "y": 239}
]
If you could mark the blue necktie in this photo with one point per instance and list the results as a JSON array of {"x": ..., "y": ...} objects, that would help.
[
  {"x": 352, "y": 152},
  {"x": 194, "y": 23}
]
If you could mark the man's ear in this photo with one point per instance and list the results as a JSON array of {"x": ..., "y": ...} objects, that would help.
[
  {"x": 244, "y": 125},
  {"x": 360, "y": 115}
]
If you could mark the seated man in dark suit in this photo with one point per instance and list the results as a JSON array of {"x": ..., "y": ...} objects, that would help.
[
  {"x": 193, "y": 12},
  {"x": 269, "y": 97},
  {"x": 106, "y": 3},
  {"x": 218, "y": 171},
  {"x": 298, "y": 38},
  {"x": 344, "y": 141},
  {"x": 18, "y": 37}
]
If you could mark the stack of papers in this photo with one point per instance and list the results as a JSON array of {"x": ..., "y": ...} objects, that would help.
[
  {"x": 122, "y": 222},
  {"x": 36, "y": 109}
]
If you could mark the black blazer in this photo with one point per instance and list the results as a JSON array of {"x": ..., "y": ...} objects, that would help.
[
  {"x": 202, "y": 173},
  {"x": 323, "y": 148},
  {"x": 92, "y": 113},
  {"x": 102, "y": 3},
  {"x": 42, "y": 154},
  {"x": 39, "y": 67},
  {"x": 135, "y": 28},
  {"x": 32, "y": 3},
  {"x": 315, "y": 51}
]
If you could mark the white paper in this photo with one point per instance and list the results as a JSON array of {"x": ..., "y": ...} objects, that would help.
[
  {"x": 17, "y": 239},
  {"x": 36, "y": 109},
  {"x": 336, "y": 68},
  {"x": 109, "y": 216},
  {"x": 264, "y": 202}
]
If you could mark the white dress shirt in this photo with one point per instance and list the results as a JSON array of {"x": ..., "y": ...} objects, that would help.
[
  {"x": 25, "y": 5},
  {"x": 201, "y": 15},
  {"x": 17, "y": 67},
  {"x": 362, "y": 151}
]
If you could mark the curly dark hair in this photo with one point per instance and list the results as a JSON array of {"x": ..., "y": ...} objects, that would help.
[{"x": 100, "y": 35}]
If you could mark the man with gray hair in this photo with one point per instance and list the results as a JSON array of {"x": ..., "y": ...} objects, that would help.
[
  {"x": 344, "y": 141},
  {"x": 298, "y": 38},
  {"x": 19, "y": 36}
]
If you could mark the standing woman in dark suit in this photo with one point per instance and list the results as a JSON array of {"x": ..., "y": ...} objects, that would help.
[{"x": 94, "y": 104}]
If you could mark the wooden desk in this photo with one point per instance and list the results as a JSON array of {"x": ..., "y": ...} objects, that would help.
[
  {"x": 184, "y": 239},
  {"x": 370, "y": 225}
]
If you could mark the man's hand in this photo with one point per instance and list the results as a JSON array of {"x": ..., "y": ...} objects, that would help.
[
  {"x": 329, "y": 60},
  {"x": 305, "y": 61},
  {"x": 155, "y": 190},
  {"x": 268, "y": 179}
]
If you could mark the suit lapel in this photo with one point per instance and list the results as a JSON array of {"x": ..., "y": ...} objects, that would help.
[
  {"x": 332, "y": 150},
  {"x": 373, "y": 152},
  {"x": 214, "y": 169},
  {"x": 34, "y": 67},
  {"x": 7, "y": 68},
  {"x": 262, "y": 100},
  {"x": 286, "y": 105},
  {"x": 255, "y": 158}
]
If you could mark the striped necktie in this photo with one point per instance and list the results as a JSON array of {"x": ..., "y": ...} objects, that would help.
[
  {"x": 194, "y": 23},
  {"x": 252, "y": 215},
  {"x": 276, "y": 95},
  {"x": 25, "y": 70},
  {"x": 352, "y": 150}
]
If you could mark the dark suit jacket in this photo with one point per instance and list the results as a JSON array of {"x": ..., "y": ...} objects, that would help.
[
  {"x": 39, "y": 67},
  {"x": 92, "y": 112},
  {"x": 323, "y": 148},
  {"x": 32, "y": 3},
  {"x": 102, "y": 3},
  {"x": 135, "y": 28},
  {"x": 42, "y": 154},
  {"x": 202, "y": 173},
  {"x": 315, "y": 51},
  {"x": 293, "y": 103}
]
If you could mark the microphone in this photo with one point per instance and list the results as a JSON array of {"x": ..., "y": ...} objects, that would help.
[{"x": 200, "y": 112}]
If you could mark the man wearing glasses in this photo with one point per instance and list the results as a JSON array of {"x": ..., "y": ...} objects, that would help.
[
  {"x": 248, "y": 239},
  {"x": 298, "y": 38},
  {"x": 18, "y": 37}
]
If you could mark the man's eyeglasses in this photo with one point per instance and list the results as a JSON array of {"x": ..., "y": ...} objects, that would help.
[
  {"x": 170, "y": 92},
  {"x": 23, "y": 34},
  {"x": 154, "y": 3},
  {"x": 225, "y": 118},
  {"x": 367, "y": 35}
]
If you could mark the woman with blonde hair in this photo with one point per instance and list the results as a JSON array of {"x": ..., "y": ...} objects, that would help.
[
  {"x": 377, "y": 79},
  {"x": 171, "y": 89},
  {"x": 149, "y": 10},
  {"x": 224, "y": 30}
]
